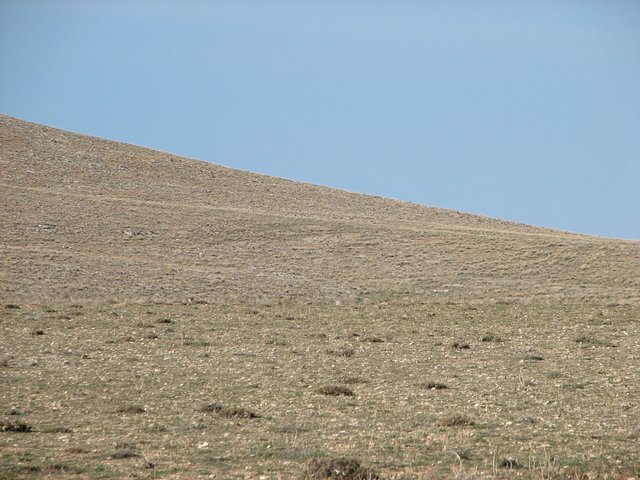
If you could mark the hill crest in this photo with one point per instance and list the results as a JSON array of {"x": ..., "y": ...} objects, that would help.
[{"x": 89, "y": 219}]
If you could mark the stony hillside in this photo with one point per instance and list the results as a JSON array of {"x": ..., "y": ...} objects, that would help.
[{"x": 90, "y": 220}]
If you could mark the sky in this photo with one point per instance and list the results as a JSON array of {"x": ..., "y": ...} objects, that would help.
[{"x": 522, "y": 110}]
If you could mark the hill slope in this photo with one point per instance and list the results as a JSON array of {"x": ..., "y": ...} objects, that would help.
[
  {"x": 326, "y": 330},
  {"x": 89, "y": 220}
]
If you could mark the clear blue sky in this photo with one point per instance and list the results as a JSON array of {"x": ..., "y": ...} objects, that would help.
[{"x": 523, "y": 110}]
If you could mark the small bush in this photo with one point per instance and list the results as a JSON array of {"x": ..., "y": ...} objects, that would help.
[
  {"x": 509, "y": 463},
  {"x": 338, "y": 468},
  {"x": 456, "y": 421},
  {"x": 534, "y": 357},
  {"x": 231, "y": 412},
  {"x": 211, "y": 407},
  {"x": 353, "y": 380},
  {"x": 132, "y": 409},
  {"x": 342, "y": 352},
  {"x": 120, "y": 454},
  {"x": 372, "y": 339},
  {"x": 434, "y": 386},
  {"x": 460, "y": 346},
  {"x": 239, "y": 412},
  {"x": 16, "y": 427},
  {"x": 335, "y": 391},
  {"x": 491, "y": 338},
  {"x": 586, "y": 340}
]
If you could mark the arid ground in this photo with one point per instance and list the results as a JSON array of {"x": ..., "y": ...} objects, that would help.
[{"x": 162, "y": 317}]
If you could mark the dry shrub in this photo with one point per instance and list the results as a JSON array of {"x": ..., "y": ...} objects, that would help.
[
  {"x": 10, "y": 426},
  {"x": 335, "y": 390},
  {"x": 509, "y": 463},
  {"x": 434, "y": 386},
  {"x": 337, "y": 468},
  {"x": 342, "y": 352},
  {"x": 353, "y": 380},
  {"x": 372, "y": 339},
  {"x": 231, "y": 412},
  {"x": 212, "y": 407},
  {"x": 537, "y": 358},
  {"x": 239, "y": 412},
  {"x": 456, "y": 421},
  {"x": 491, "y": 338},
  {"x": 132, "y": 409}
]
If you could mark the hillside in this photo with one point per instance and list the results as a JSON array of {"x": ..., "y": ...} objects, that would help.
[
  {"x": 168, "y": 318},
  {"x": 93, "y": 220}
]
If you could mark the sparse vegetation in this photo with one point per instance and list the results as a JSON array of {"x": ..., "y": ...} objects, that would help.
[
  {"x": 434, "y": 386},
  {"x": 335, "y": 391},
  {"x": 456, "y": 421},
  {"x": 338, "y": 468},
  {"x": 352, "y": 380},
  {"x": 534, "y": 357},
  {"x": 509, "y": 463},
  {"x": 231, "y": 412},
  {"x": 491, "y": 338},
  {"x": 10, "y": 426},
  {"x": 135, "y": 408},
  {"x": 342, "y": 352},
  {"x": 125, "y": 449},
  {"x": 592, "y": 341},
  {"x": 255, "y": 291}
]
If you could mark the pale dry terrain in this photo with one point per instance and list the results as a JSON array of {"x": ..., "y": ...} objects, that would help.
[{"x": 150, "y": 304}]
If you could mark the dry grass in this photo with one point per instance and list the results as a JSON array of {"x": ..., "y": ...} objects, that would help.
[
  {"x": 579, "y": 406},
  {"x": 10, "y": 426},
  {"x": 138, "y": 286},
  {"x": 335, "y": 391},
  {"x": 456, "y": 421},
  {"x": 338, "y": 468}
]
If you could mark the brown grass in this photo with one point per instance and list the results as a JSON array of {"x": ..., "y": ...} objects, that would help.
[
  {"x": 456, "y": 421},
  {"x": 335, "y": 391},
  {"x": 163, "y": 282},
  {"x": 10, "y": 426},
  {"x": 338, "y": 468}
]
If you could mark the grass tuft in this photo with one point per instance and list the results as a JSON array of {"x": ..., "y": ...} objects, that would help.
[
  {"x": 239, "y": 412},
  {"x": 337, "y": 468},
  {"x": 342, "y": 352},
  {"x": 491, "y": 338},
  {"x": 456, "y": 421},
  {"x": 212, "y": 407},
  {"x": 10, "y": 426},
  {"x": 509, "y": 463},
  {"x": 434, "y": 386},
  {"x": 132, "y": 409},
  {"x": 595, "y": 342},
  {"x": 533, "y": 357},
  {"x": 353, "y": 380},
  {"x": 372, "y": 339},
  {"x": 231, "y": 412},
  {"x": 335, "y": 391}
]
